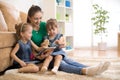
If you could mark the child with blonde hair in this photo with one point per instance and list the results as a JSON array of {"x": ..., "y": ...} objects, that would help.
[
  {"x": 22, "y": 51},
  {"x": 55, "y": 40},
  {"x": 61, "y": 61}
]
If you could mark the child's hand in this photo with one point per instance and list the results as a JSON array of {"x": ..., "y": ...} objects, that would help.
[
  {"x": 23, "y": 64},
  {"x": 45, "y": 43},
  {"x": 47, "y": 53},
  {"x": 61, "y": 46},
  {"x": 44, "y": 54},
  {"x": 58, "y": 41},
  {"x": 41, "y": 57}
]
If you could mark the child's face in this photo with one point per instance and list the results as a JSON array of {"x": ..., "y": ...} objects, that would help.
[
  {"x": 53, "y": 31},
  {"x": 28, "y": 33}
]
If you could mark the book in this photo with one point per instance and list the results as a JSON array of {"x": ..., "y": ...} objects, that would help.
[
  {"x": 33, "y": 62},
  {"x": 46, "y": 50}
]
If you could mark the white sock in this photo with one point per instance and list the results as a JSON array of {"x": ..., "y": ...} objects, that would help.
[
  {"x": 91, "y": 71},
  {"x": 105, "y": 66},
  {"x": 54, "y": 70}
]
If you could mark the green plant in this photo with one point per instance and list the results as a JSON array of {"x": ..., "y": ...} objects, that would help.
[{"x": 99, "y": 20}]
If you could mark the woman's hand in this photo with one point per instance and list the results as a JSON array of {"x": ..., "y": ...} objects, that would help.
[{"x": 23, "y": 64}]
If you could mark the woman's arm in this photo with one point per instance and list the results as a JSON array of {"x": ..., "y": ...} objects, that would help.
[
  {"x": 13, "y": 55},
  {"x": 35, "y": 46}
]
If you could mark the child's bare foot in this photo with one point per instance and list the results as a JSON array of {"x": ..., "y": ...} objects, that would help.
[{"x": 43, "y": 69}]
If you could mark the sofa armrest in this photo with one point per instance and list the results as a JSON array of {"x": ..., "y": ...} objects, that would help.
[{"x": 7, "y": 41}]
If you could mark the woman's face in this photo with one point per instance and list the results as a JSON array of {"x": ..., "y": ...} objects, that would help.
[{"x": 36, "y": 19}]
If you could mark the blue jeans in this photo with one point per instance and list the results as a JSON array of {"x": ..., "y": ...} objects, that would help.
[{"x": 70, "y": 66}]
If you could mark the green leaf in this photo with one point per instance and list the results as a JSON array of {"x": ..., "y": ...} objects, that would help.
[{"x": 100, "y": 18}]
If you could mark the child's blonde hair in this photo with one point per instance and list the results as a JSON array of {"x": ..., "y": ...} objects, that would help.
[
  {"x": 51, "y": 24},
  {"x": 21, "y": 27}
]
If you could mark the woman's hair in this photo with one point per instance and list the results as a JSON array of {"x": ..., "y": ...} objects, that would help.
[
  {"x": 21, "y": 27},
  {"x": 51, "y": 24},
  {"x": 32, "y": 11}
]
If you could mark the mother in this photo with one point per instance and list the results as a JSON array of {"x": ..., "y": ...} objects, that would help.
[{"x": 39, "y": 31}]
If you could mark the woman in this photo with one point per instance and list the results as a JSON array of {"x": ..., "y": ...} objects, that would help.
[
  {"x": 39, "y": 28},
  {"x": 68, "y": 65}
]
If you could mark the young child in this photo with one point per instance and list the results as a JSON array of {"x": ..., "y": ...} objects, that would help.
[
  {"x": 55, "y": 40},
  {"x": 22, "y": 51}
]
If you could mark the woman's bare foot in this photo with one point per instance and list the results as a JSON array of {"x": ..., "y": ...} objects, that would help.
[{"x": 43, "y": 69}]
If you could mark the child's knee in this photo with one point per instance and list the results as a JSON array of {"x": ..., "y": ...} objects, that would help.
[
  {"x": 35, "y": 68},
  {"x": 58, "y": 56},
  {"x": 50, "y": 57},
  {"x": 31, "y": 64}
]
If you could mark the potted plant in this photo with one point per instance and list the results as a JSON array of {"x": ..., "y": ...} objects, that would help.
[{"x": 99, "y": 20}]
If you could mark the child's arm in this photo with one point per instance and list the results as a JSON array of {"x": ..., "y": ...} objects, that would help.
[
  {"x": 13, "y": 55},
  {"x": 35, "y": 46},
  {"x": 61, "y": 42}
]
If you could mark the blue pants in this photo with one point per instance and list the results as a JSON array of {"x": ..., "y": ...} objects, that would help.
[{"x": 70, "y": 66}]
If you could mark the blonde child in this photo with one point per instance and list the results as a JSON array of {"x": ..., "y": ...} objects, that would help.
[
  {"x": 61, "y": 61},
  {"x": 22, "y": 51},
  {"x": 55, "y": 40}
]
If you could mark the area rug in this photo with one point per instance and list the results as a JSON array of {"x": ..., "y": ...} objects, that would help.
[
  {"x": 12, "y": 75},
  {"x": 113, "y": 73}
]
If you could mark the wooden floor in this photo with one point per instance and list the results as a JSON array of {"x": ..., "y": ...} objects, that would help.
[{"x": 89, "y": 53}]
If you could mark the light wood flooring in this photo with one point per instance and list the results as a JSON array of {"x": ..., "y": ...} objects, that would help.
[{"x": 89, "y": 53}]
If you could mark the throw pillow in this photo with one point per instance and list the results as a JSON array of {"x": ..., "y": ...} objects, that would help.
[
  {"x": 11, "y": 15},
  {"x": 3, "y": 25}
]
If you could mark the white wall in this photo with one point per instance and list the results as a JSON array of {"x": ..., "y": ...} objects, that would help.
[
  {"x": 24, "y": 5},
  {"x": 82, "y": 22},
  {"x": 113, "y": 6},
  {"x": 82, "y": 19}
]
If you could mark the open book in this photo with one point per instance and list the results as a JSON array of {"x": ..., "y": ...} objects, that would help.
[{"x": 48, "y": 50}]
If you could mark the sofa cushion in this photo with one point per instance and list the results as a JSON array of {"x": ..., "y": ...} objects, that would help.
[
  {"x": 23, "y": 16},
  {"x": 11, "y": 15},
  {"x": 3, "y": 25},
  {"x": 5, "y": 60},
  {"x": 7, "y": 39}
]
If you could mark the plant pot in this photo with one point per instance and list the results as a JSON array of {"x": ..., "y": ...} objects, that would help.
[{"x": 102, "y": 46}]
